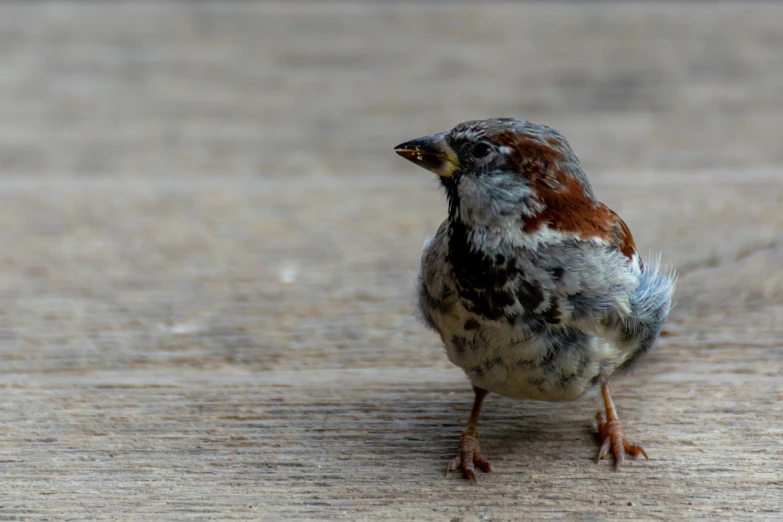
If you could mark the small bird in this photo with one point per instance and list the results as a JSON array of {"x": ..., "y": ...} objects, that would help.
[{"x": 535, "y": 286}]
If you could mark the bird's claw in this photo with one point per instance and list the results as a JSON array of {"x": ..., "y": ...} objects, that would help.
[
  {"x": 468, "y": 457},
  {"x": 613, "y": 437}
]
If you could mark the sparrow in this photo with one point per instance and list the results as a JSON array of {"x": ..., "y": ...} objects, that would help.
[{"x": 535, "y": 287}]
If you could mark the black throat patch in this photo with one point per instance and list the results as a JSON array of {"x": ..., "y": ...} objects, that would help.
[{"x": 481, "y": 278}]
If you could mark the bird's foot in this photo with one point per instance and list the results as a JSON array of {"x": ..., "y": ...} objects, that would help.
[
  {"x": 468, "y": 457},
  {"x": 613, "y": 437}
]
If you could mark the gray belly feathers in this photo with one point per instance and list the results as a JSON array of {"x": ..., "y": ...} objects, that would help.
[{"x": 543, "y": 323}]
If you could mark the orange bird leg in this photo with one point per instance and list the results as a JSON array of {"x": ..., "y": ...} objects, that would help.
[
  {"x": 612, "y": 432},
  {"x": 469, "y": 450}
]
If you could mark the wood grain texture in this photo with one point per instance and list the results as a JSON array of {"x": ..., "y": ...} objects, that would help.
[
  {"x": 209, "y": 251},
  {"x": 204, "y": 349}
]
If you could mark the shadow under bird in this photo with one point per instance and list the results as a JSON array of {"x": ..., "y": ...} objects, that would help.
[{"x": 535, "y": 286}]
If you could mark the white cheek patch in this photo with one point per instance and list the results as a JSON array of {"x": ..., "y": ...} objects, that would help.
[{"x": 495, "y": 200}]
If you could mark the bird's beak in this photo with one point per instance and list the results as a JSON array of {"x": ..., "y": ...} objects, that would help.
[{"x": 432, "y": 153}]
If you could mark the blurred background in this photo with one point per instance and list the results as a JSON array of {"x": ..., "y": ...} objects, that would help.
[
  {"x": 281, "y": 89},
  {"x": 209, "y": 248}
]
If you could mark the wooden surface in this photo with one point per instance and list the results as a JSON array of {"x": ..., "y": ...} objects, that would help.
[{"x": 207, "y": 274}]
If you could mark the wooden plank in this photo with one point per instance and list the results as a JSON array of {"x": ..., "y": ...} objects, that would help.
[{"x": 187, "y": 350}]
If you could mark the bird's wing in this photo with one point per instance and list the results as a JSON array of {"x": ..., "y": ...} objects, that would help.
[{"x": 584, "y": 274}]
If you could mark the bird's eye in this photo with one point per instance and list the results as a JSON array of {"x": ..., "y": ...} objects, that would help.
[{"x": 480, "y": 150}]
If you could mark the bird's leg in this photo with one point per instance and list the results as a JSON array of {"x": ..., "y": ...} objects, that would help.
[
  {"x": 612, "y": 432},
  {"x": 469, "y": 450}
]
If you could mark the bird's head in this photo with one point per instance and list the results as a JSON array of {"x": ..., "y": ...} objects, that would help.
[
  {"x": 499, "y": 155},
  {"x": 500, "y": 174},
  {"x": 498, "y": 161}
]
